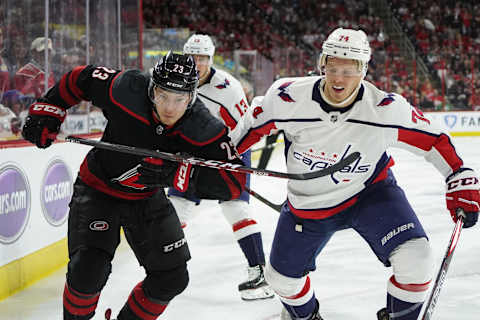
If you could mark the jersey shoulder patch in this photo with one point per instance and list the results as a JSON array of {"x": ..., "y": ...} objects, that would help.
[
  {"x": 387, "y": 100},
  {"x": 129, "y": 92}
]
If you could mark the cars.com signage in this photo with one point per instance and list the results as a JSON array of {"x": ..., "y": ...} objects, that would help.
[
  {"x": 56, "y": 192},
  {"x": 15, "y": 203}
]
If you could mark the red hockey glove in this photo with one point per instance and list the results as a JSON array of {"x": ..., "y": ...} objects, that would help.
[
  {"x": 43, "y": 123},
  {"x": 158, "y": 173},
  {"x": 463, "y": 192}
]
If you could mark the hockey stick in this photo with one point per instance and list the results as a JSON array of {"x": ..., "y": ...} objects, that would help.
[
  {"x": 442, "y": 272},
  {"x": 217, "y": 164},
  {"x": 274, "y": 206}
]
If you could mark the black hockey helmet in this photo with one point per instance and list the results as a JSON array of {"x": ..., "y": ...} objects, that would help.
[{"x": 175, "y": 72}]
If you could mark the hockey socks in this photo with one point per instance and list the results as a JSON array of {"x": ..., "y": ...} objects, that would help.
[
  {"x": 141, "y": 307},
  {"x": 78, "y": 306},
  {"x": 252, "y": 247},
  {"x": 405, "y": 301}
]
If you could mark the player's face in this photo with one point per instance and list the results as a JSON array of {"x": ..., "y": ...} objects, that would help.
[
  {"x": 203, "y": 65},
  {"x": 170, "y": 106},
  {"x": 341, "y": 78}
]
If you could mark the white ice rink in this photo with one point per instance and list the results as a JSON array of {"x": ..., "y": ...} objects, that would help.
[{"x": 350, "y": 282}]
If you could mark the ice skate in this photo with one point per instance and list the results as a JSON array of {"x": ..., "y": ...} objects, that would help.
[
  {"x": 255, "y": 287},
  {"x": 382, "y": 314}
]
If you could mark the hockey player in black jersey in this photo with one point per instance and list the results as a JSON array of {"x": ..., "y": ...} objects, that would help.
[{"x": 116, "y": 190}]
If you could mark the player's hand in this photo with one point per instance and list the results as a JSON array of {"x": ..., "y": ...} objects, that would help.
[
  {"x": 463, "y": 192},
  {"x": 158, "y": 173},
  {"x": 43, "y": 124}
]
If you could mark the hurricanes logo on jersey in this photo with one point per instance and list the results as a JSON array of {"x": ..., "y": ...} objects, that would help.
[
  {"x": 223, "y": 85},
  {"x": 284, "y": 92},
  {"x": 321, "y": 160}
]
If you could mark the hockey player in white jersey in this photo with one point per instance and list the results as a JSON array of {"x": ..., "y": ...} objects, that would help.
[
  {"x": 324, "y": 119},
  {"x": 224, "y": 97}
]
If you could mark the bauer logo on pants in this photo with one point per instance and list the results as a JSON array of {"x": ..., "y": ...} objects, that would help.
[{"x": 396, "y": 231}]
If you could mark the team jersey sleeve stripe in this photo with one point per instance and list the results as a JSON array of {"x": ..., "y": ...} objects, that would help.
[
  {"x": 445, "y": 147},
  {"x": 227, "y": 118},
  {"x": 417, "y": 139},
  {"x": 73, "y": 78},
  {"x": 426, "y": 142},
  {"x": 66, "y": 92},
  {"x": 254, "y": 135}
]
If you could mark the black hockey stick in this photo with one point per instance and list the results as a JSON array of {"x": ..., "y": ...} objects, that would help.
[
  {"x": 217, "y": 164},
  {"x": 274, "y": 206},
  {"x": 442, "y": 272}
]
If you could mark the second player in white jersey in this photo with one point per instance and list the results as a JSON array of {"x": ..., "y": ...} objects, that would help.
[{"x": 225, "y": 98}]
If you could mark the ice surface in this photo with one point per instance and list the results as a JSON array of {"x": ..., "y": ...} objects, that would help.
[{"x": 350, "y": 282}]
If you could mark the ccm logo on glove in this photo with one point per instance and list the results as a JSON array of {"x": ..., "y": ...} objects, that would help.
[
  {"x": 461, "y": 182},
  {"x": 48, "y": 110},
  {"x": 182, "y": 177}
]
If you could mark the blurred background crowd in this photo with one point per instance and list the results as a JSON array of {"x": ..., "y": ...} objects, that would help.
[{"x": 428, "y": 51}]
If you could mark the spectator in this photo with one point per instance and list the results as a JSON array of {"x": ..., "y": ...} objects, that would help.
[
  {"x": 30, "y": 79},
  {"x": 4, "y": 75}
]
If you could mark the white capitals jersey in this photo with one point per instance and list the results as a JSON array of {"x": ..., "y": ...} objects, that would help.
[
  {"x": 224, "y": 97},
  {"x": 318, "y": 135}
]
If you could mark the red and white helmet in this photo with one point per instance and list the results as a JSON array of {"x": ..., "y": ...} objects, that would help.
[
  {"x": 200, "y": 44},
  {"x": 347, "y": 44}
]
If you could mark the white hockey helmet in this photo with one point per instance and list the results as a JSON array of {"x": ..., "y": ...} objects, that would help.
[
  {"x": 347, "y": 44},
  {"x": 200, "y": 44}
]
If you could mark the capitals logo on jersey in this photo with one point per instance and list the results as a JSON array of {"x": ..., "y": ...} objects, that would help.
[
  {"x": 223, "y": 85},
  {"x": 321, "y": 160},
  {"x": 284, "y": 92},
  {"x": 387, "y": 100}
]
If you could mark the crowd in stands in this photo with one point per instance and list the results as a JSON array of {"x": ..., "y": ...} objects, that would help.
[
  {"x": 445, "y": 34},
  {"x": 288, "y": 33}
]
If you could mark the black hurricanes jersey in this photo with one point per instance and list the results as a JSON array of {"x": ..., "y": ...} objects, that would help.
[{"x": 123, "y": 98}]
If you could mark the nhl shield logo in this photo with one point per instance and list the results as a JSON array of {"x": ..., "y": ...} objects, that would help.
[
  {"x": 334, "y": 116},
  {"x": 159, "y": 130}
]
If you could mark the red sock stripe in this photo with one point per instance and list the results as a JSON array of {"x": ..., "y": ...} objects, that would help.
[
  {"x": 413, "y": 287},
  {"x": 78, "y": 303},
  {"x": 242, "y": 224},
  {"x": 304, "y": 291},
  {"x": 142, "y": 306}
]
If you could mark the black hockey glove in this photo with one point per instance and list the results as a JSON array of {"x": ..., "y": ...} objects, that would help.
[
  {"x": 43, "y": 124},
  {"x": 158, "y": 173}
]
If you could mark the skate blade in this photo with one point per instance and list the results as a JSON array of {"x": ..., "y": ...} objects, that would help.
[{"x": 257, "y": 294}]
